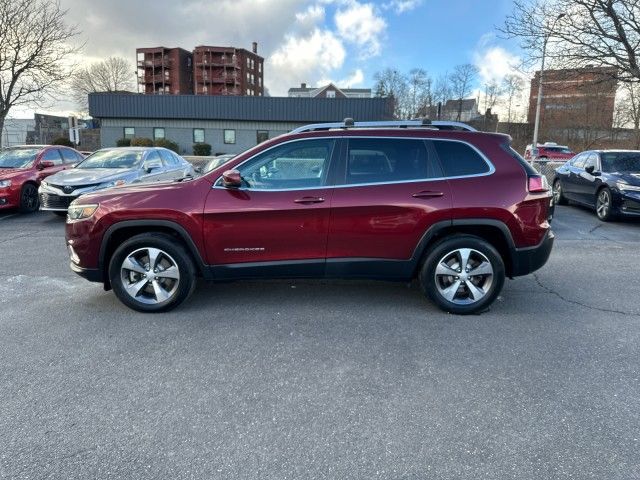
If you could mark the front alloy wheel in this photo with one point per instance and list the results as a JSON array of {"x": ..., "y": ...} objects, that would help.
[
  {"x": 558, "y": 198},
  {"x": 604, "y": 205},
  {"x": 152, "y": 272}
]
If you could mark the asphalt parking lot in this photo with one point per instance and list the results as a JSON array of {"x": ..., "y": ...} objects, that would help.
[{"x": 323, "y": 379}]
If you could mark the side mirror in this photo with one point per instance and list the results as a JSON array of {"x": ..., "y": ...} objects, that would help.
[
  {"x": 591, "y": 170},
  {"x": 232, "y": 179},
  {"x": 45, "y": 164},
  {"x": 151, "y": 165}
]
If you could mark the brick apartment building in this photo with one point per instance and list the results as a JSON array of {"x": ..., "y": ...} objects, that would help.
[
  {"x": 572, "y": 98},
  {"x": 164, "y": 71},
  {"x": 208, "y": 70}
]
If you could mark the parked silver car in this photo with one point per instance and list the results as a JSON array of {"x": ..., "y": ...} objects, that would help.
[{"x": 111, "y": 167}]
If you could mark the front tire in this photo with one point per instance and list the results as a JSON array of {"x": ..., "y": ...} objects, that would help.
[
  {"x": 604, "y": 205},
  {"x": 463, "y": 274},
  {"x": 152, "y": 272},
  {"x": 29, "y": 201}
]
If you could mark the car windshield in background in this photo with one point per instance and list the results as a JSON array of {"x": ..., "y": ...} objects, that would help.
[
  {"x": 18, "y": 157},
  {"x": 621, "y": 162},
  {"x": 112, "y": 159},
  {"x": 558, "y": 149},
  {"x": 216, "y": 162}
]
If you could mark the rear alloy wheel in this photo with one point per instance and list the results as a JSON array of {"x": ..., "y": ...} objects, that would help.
[
  {"x": 463, "y": 274},
  {"x": 558, "y": 197},
  {"x": 152, "y": 273},
  {"x": 29, "y": 201},
  {"x": 604, "y": 205}
]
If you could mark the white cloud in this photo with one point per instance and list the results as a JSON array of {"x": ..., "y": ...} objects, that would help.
[
  {"x": 304, "y": 59},
  {"x": 401, "y": 6},
  {"x": 354, "y": 79},
  {"x": 494, "y": 63},
  {"x": 360, "y": 24},
  {"x": 311, "y": 17}
]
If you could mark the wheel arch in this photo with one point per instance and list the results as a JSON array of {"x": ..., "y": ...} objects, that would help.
[
  {"x": 494, "y": 232},
  {"x": 119, "y": 232}
]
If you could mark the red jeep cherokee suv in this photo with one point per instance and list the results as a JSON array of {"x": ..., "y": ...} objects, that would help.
[{"x": 459, "y": 210}]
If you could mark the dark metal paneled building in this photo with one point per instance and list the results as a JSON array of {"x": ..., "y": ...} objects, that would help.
[{"x": 230, "y": 124}]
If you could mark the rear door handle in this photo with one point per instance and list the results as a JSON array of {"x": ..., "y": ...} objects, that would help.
[
  {"x": 308, "y": 200},
  {"x": 427, "y": 194}
]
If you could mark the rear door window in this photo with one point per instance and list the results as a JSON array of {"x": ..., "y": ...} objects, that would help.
[
  {"x": 168, "y": 158},
  {"x": 52, "y": 155},
  {"x": 459, "y": 159},
  {"x": 385, "y": 160},
  {"x": 69, "y": 156}
]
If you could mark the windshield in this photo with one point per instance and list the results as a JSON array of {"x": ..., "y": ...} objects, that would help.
[
  {"x": 216, "y": 162},
  {"x": 621, "y": 162},
  {"x": 558, "y": 149},
  {"x": 112, "y": 159},
  {"x": 18, "y": 157}
]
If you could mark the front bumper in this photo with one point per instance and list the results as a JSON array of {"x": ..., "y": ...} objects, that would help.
[
  {"x": 530, "y": 259},
  {"x": 629, "y": 203},
  {"x": 91, "y": 274}
]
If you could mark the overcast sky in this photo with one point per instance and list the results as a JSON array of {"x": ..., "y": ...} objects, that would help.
[{"x": 312, "y": 41}]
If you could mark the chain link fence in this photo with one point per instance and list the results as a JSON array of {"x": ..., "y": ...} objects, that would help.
[{"x": 547, "y": 168}]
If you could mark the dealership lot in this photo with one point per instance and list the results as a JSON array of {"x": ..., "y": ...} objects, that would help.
[{"x": 323, "y": 379}]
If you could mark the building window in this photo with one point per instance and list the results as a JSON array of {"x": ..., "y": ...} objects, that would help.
[
  {"x": 248, "y": 63},
  {"x": 158, "y": 133},
  {"x": 260, "y": 81},
  {"x": 331, "y": 94},
  {"x": 260, "y": 67},
  {"x": 129, "y": 132},
  {"x": 198, "y": 135},
  {"x": 248, "y": 77},
  {"x": 253, "y": 79},
  {"x": 248, "y": 92},
  {"x": 262, "y": 136},
  {"x": 229, "y": 136}
]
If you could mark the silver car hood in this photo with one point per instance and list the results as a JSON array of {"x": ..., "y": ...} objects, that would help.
[{"x": 86, "y": 176}]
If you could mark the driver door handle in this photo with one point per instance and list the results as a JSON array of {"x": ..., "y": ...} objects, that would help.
[
  {"x": 427, "y": 194},
  {"x": 309, "y": 200}
]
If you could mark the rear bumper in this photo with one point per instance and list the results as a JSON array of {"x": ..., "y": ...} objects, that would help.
[
  {"x": 91, "y": 274},
  {"x": 527, "y": 260}
]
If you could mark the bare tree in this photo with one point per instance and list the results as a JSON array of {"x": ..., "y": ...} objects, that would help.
[
  {"x": 419, "y": 93},
  {"x": 442, "y": 89},
  {"x": 462, "y": 80},
  {"x": 391, "y": 83},
  {"x": 599, "y": 33},
  {"x": 111, "y": 75},
  {"x": 629, "y": 109},
  {"x": 34, "y": 52},
  {"x": 492, "y": 92},
  {"x": 512, "y": 87}
]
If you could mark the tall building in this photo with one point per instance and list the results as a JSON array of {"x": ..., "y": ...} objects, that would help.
[
  {"x": 328, "y": 91},
  {"x": 208, "y": 70},
  {"x": 228, "y": 71},
  {"x": 581, "y": 97},
  {"x": 165, "y": 71}
]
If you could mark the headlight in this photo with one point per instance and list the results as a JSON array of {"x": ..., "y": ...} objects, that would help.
[
  {"x": 5, "y": 183},
  {"x": 627, "y": 187},
  {"x": 44, "y": 184},
  {"x": 80, "y": 212}
]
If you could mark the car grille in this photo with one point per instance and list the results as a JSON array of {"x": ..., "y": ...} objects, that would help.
[
  {"x": 56, "y": 202},
  {"x": 68, "y": 189}
]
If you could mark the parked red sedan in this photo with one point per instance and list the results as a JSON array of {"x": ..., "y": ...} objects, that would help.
[{"x": 22, "y": 168}]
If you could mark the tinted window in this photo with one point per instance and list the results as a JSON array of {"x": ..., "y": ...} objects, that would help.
[
  {"x": 459, "y": 159},
  {"x": 69, "y": 156},
  {"x": 592, "y": 161},
  {"x": 293, "y": 165},
  {"x": 168, "y": 158},
  {"x": 375, "y": 160},
  {"x": 621, "y": 162},
  {"x": 52, "y": 155}
]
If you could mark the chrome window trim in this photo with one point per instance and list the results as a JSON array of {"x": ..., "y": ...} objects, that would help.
[{"x": 491, "y": 171}]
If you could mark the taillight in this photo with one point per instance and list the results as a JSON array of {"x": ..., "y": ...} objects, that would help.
[{"x": 538, "y": 184}]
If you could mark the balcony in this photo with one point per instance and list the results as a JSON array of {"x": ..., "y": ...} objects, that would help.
[{"x": 156, "y": 62}]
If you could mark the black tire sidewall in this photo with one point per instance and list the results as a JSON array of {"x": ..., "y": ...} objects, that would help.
[
  {"x": 427, "y": 273},
  {"x": 162, "y": 242},
  {"x": 561, "y": 199},
  {"x": 23, "y": 207}
]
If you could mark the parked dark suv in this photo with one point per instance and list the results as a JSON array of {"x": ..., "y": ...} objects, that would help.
[{"x": 459, "y": 210}]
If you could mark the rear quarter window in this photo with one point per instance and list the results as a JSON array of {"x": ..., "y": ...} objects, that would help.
[{"x": 459, "y": 159}]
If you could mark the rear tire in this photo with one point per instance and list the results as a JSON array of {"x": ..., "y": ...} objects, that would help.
[
  {"x": 152, "y": 272},
  {"x": 463, "y": 274},
  {"x": 558, "y": 197},
  {"x": 29, "y": 201}
]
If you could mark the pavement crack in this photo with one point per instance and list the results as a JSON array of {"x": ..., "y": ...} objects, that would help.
[
  {"x": 575, "y": 302},
  {"x": 595, "y": 228}
]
